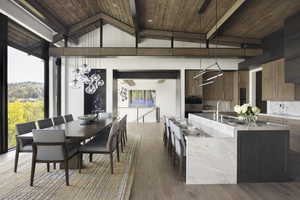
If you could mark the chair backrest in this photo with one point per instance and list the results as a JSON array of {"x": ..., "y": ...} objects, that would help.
[
  {"x": 44, "y": 123},
  {"x": 178, "y": 140},
  {"x": 69, "y": 118},
  {"x": 25, "y": 128},
  {"x": 113, "y": 136},
  {"x": 49, "y": 144},
  {"x": 58, "y": 120},
  {"x": 171, "y": 127}
]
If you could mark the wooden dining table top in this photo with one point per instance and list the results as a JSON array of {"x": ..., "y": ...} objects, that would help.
[{"x": 76, "y": 130}]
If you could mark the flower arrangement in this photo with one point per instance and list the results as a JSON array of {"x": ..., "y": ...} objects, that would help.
[{"x": 247, "y": 112}]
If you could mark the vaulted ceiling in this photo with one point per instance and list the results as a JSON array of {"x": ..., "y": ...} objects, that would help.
[{"x": 239, "y": 21}]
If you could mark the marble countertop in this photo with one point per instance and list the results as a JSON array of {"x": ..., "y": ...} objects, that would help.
[
  {"x": 239, "y": 126},
  {"x": 284, "y": 116}
]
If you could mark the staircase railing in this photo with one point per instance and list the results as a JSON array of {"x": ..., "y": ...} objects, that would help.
[{"x": 156, "y": 109}]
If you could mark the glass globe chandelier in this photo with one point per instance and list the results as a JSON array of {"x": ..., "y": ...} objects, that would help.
[{"x": 82, "y": 76}]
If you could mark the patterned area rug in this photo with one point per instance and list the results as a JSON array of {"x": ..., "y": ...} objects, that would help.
[{"x": 94, "y": 182}]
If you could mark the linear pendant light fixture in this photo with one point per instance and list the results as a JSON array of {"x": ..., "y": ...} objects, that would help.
[{"x": 216, "y": 64}]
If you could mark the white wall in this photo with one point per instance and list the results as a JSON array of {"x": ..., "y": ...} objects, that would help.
[
  {"x": 165, "y": 94},
  {"x": 113, "y": 37}
]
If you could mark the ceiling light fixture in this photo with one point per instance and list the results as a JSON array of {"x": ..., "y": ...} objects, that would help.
[
  {"x": 150, "y": 20},
  {"x": 206, "y": 83}
]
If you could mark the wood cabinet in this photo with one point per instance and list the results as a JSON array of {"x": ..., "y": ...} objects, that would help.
[
  {"x": 221, "y": 89},
  {"x": 243, "y": 86},
  {"x": 192, "y": 85},
  {"x": 273, "y": 82}
]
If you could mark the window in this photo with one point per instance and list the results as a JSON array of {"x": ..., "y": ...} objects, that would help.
[
  {"x": 142, "y": 98},
  {"x": 25, "y": 90}
]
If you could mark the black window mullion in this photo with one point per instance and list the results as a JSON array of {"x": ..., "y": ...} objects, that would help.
[{"x": 3, "y": 84}]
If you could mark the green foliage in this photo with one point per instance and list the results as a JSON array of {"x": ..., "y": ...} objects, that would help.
[
  {"x": 20, "y": 112},
  {"x": 25, "y": 90}
]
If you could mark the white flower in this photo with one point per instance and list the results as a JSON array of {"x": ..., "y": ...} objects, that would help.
[
  {"x": 255, "y": 110},
  {"x": 244, "y": 108},
  {"x": 237, "y": 109}
]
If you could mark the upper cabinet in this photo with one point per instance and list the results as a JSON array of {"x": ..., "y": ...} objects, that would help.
[
  {"x": 192, "y": 85},
  {"x": 222, "y": 88},
  {"x": 274, "y": 87}
]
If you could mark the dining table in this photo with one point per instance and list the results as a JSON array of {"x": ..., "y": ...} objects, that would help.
[{"x": 77, "y": 131}]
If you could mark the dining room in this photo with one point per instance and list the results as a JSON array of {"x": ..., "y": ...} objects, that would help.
[{"x": 166, "y": 99}]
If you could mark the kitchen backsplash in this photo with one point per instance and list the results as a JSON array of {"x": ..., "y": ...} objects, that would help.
[
  {"x": 224, "y": 106},
  {"x": 284, "y": 107}
]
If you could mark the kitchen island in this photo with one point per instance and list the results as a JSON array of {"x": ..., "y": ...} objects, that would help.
[{"x": 230, "y": 152}]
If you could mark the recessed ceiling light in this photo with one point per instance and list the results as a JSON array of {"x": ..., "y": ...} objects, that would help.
[
  {"x": 115, "y": 5},
  {"x": 150, "y": 20}
]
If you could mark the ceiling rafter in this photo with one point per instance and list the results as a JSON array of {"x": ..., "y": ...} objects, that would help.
[{"x": 237, "y": 4}]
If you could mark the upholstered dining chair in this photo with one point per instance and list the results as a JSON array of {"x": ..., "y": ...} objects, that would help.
[
  {"x": 172, "y": 138},
  {"x": 45, "y": 123},
  {"x": 58, "y": 120},
  {"x": 69, "y": 118},
  {"x": 51, "y": 146},
  {"x": 99, "y": 146},
  {"x": 23, "y": 145}
]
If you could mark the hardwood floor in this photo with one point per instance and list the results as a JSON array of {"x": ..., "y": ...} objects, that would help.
[{"x": 157, "y": 179}]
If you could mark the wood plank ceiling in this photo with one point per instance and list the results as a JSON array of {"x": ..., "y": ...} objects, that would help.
[{"x": 250, "y": 23}]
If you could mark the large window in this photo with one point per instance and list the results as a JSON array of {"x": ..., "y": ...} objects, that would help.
[{"x": 25, "y": 90}]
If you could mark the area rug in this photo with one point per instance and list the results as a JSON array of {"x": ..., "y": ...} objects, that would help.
[{"x": 94, "y": 182}]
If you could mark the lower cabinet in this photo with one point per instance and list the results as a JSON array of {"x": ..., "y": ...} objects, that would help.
[{"x": 256, "y": 160}]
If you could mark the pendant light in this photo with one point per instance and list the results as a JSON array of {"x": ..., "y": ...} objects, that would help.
[{"x": 216, "y": 64}]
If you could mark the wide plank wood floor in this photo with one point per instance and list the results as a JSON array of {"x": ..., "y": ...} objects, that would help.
[{"x": 157, "y": 179}]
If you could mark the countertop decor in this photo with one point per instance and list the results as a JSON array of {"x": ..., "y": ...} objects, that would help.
[{"x": 247, "y": 112}]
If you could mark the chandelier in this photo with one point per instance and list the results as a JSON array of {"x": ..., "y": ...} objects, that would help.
[{"x": 82, "y": 76}]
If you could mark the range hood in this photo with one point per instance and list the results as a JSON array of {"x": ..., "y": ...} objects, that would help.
[{"x": 292, "y": 49}]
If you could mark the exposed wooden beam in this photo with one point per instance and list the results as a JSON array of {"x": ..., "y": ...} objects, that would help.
[
  {"x": 73, "y": 30},
  {"x": 132, "y": 51},
  {"x": 236, "y": 40},
  {"x": 117, "y": 23},
  {"x": 224, "y": 18}
]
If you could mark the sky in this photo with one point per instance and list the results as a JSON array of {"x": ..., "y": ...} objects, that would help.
[{"x": 22, "y": 67}]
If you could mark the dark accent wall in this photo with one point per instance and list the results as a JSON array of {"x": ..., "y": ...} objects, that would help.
[
  {"x": 96, "y": 102},
  {"x": 3, "y": 83}
]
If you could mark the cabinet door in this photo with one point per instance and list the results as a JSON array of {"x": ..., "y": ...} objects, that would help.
[
  {"x": 285, "y": 91},
  {"x": 269, "y": 81},
  {"x": 228, "y": 86},
  {"x": 192, "y": 85}
]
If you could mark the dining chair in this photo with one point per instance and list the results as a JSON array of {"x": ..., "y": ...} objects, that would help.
[
  {"x": 165, "y": 136},
  {"x": 169, "y": 142},
  {"x": 172, "y": 138},
  {"x": 23, "y": 145},
  {"x": 58, "y": 120},
  {"x": 51, "y": 146},
  {"x": 69, "y": 118},
  {"x": 45, "y": 123},
  {"x": 98, "y": 146},
  {"x": 180, "y": 148}
]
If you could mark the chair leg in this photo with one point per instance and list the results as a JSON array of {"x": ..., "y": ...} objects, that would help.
[
  {"x": 80, "y": 162},
  {"x": 180, "y": 166},
  {"x": 111, "y": 163},
  {"x": 54, "y": 165},
  {"x": 33, "y": 163},
  {"x": 118, "y": 153},
  {"x": 48, "y": 167},
  {"x": 67, "y": 171},
  {"x": 122, "y": 148},
  {"x": 91, "y": 157},
  {"x": 16, "y": 161}
]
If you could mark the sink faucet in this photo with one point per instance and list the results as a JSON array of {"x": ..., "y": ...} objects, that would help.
[{"x": 217, "y": 112}]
